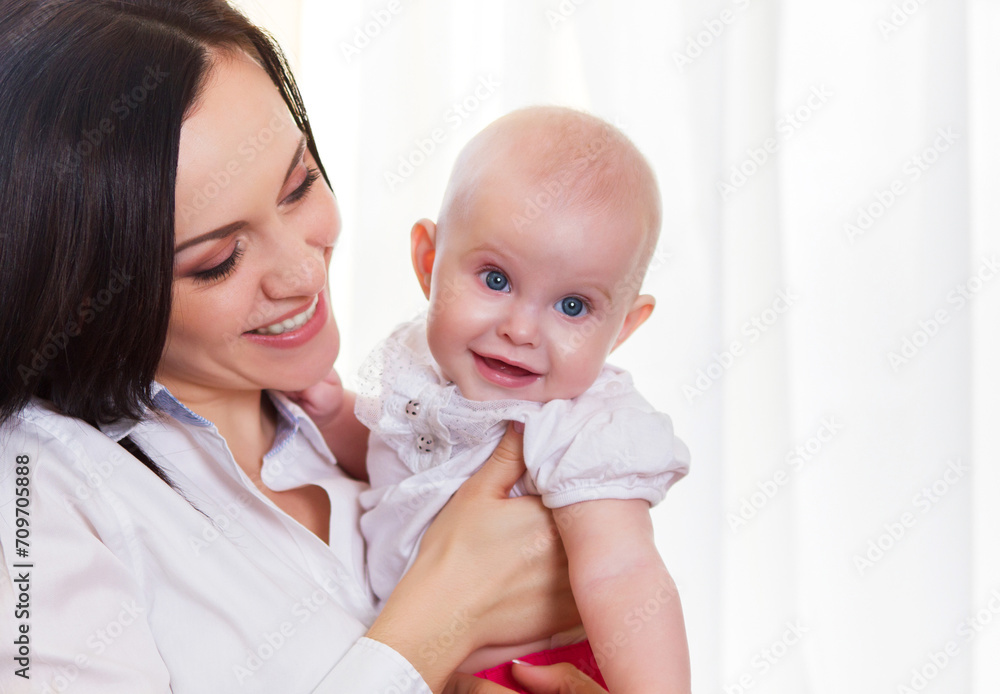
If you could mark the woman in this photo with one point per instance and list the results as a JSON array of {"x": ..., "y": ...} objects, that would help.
[{"x": 169, "y": 520}]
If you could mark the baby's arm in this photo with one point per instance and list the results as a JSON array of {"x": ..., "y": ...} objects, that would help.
[
  {"x": 628, "y": 602},
  {"x": 347, "y": 439}
]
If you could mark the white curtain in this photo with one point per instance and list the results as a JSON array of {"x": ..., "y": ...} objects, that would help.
[{"x": 828, "y": 290}]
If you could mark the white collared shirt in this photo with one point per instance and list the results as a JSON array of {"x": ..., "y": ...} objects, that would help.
[{"x": 130, "y": 588}]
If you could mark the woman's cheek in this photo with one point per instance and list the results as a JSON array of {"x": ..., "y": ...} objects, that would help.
[
  {"x": 210, "y": 316},
  {"x": 181, "y": 315}
]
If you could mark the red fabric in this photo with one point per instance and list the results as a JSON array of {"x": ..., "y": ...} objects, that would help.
[{"x": 578, "y": 654}]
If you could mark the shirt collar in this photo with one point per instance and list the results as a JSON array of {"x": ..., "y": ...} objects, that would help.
[
  {"x": 121, "y": 428},
  {"x": 289, "y": 417}
]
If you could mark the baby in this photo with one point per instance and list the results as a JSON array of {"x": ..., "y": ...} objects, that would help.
[{"x": 533, "y": 270}]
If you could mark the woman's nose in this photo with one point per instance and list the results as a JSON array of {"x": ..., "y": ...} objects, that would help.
[{"x": 299, "y": 269}]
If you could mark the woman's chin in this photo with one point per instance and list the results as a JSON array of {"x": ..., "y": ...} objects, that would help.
[{"x": 301, "y": 378}]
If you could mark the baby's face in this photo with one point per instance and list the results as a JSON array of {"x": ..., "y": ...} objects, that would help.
[{"x": 525, "y": 309}]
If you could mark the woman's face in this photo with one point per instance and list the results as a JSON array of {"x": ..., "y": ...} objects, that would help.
[{"x": 255, "y": 228}]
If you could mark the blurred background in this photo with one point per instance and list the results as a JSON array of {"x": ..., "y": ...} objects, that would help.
[{"x": 828, "y": 287}]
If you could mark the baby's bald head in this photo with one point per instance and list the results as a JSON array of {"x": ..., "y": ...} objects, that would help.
[
  {"x": 568, "y": 160},
  {"x": 534, "y": 268}
]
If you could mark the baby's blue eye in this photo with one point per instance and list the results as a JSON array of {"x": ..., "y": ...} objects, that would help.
[
  {"x": 572, "y": 306},
  {"x": 496, "y": 280}
]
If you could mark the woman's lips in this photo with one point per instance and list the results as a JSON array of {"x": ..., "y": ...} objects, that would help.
[
  {"x": 300, "y": 335},
  {"x": 290, "y": 314},
  {"x": 502, "y": 373}
]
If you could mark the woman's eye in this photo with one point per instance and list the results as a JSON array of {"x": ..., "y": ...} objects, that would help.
[
  {"x": 495, "y": 280},
  {"x": 301, "y": 191},
  {"x": 572, "y": 306},
  {"x": 223, "y": 269}
]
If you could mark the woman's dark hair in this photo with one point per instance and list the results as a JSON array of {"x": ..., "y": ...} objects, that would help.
[{"x": 92, "y": 97}]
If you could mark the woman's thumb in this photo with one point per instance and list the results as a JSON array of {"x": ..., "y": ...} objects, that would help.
[
  {"x": 506, "y": 466},
  {"x": 562, "y": 678}
]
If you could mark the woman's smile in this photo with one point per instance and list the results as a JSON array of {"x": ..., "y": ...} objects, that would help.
[
  {"x": 288, "y": 323},
  {"x": 294, "y": 331}
]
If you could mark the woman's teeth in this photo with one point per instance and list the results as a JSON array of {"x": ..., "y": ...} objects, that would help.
[{"x": 290, "y": 323}]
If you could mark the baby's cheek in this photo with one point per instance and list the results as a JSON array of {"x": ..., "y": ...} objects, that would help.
[
  {"x": 440, "y": 341},
  {"x": 580, "y": 366}
]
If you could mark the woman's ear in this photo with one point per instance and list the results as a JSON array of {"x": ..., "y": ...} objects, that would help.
[
  {"x": 422, "y": 252},
  {"x": 641, "y": 309}
]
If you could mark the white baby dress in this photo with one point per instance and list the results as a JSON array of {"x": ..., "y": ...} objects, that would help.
[{"x": 426, "y": 440}]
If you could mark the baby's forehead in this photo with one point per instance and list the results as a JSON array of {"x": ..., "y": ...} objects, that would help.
[
  {"x": 552, "y": 146},
  {"x": 564, "y": 162}
]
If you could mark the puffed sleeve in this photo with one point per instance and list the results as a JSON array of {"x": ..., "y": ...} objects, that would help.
[
  {"x": 83, "y": 608},
  {"x": 608, "y": 443}
]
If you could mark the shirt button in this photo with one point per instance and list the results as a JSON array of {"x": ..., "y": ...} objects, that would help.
[
  {"x": 413, "y": 408},
  {"x": 425, "y": 444}
]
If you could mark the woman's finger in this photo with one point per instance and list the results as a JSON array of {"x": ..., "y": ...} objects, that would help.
[
  {"x": 505, "y": 467},
  {"x": 470, "y": 684},
  {"x": 561, "y": 678}
]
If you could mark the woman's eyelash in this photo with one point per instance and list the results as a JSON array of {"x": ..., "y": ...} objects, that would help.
[
  {"x": 223, "y": 269},
  {"x": 301, "y": 191}
]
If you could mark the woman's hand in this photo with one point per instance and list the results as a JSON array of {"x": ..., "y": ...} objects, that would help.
[
  {"x": 491, "y": 570},
  {"x": 562, "y": 678},
  {"x": 537, "y": 679}
]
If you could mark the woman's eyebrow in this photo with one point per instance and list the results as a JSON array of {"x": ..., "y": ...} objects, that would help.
[
  {"x": 236, "y": 226},
  {"x": 299, "y": 151},
  {"x": 215, "y": 234}
]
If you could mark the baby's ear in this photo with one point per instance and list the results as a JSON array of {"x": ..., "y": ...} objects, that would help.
[
  {"x": 641, "y": 309},
  {"x": 422, "y": 252}
]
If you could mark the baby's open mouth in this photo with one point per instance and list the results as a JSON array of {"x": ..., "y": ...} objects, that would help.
[
  {"x": 503, "y": 373},
  {"x": 506, "y": 368}
]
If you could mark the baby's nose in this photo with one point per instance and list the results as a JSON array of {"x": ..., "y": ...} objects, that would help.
[{"x": 520, "y": 326}]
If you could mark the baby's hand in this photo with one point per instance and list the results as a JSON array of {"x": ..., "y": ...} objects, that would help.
[
  {"x": 323, "y": 401},
  {"x": 331, "y": 408}
]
